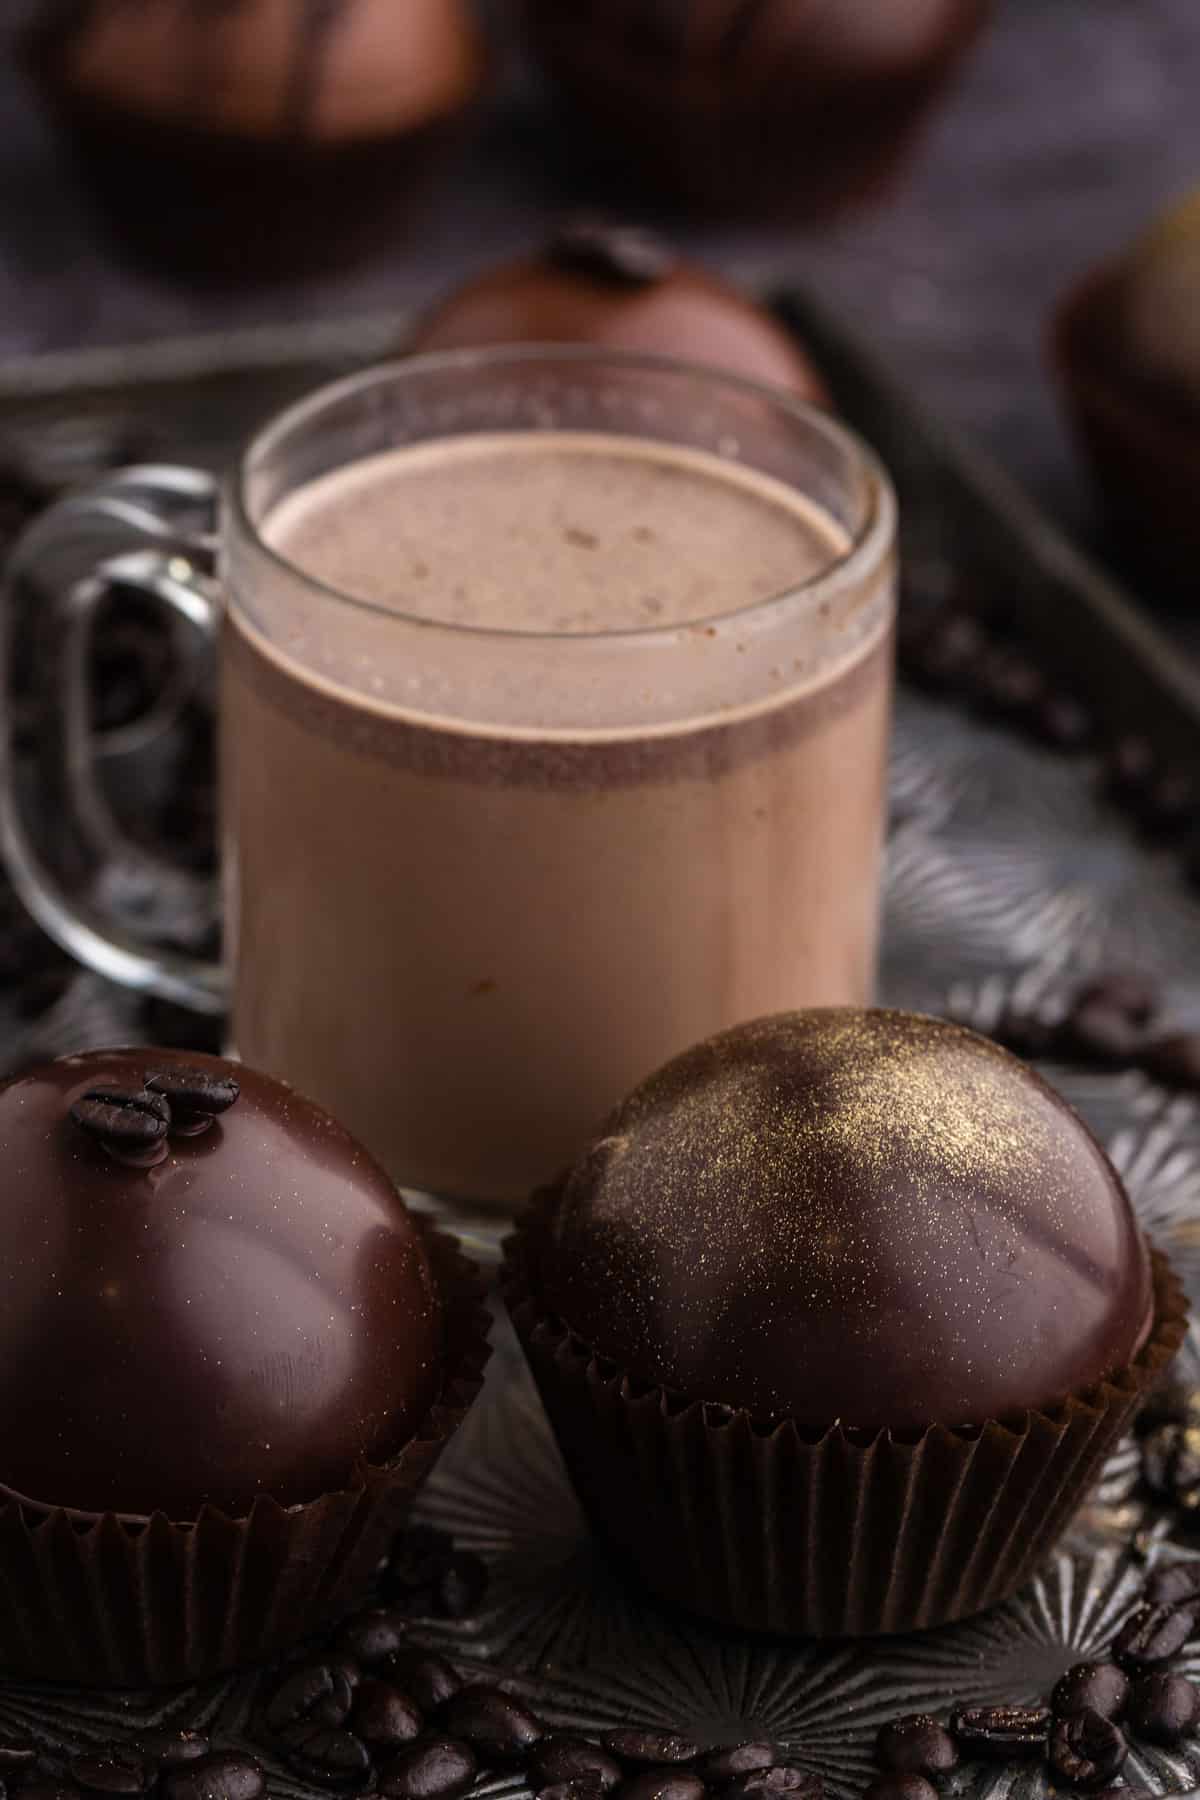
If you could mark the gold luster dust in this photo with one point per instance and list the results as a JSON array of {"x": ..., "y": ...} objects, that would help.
[{"x": 838, "y": 1159}]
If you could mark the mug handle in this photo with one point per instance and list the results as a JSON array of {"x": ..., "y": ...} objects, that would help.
[{"x": 151, "y": 530}]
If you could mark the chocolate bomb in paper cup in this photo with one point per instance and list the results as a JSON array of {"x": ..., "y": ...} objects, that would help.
[
  {"x": 228, "y": 1357},
  {"x": 837, "y": 1320}
]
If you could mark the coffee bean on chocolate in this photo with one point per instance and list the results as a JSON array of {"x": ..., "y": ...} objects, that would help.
[
  {"x": 999, "y": 1732},
  {"x": 1086, "y": 1750},
  {"x": 1174, "y": 1584},
  {"x": 460, "y": 1587},
  {"x": 225, "y": 1775},
  {"x": 131, "y": 1127},
  {"x": 731, "y": 1760},
  {"x": 17, "y": 1755},
  {"x": 318, "y": 1691},
  {"x": 169, "y": 1749},
  {"x": 114, "y": 1771},
  {"x": 427, "y": 1679},
  {"x": 564, "y": 1757},
  {"x": 635, "y": 1745},
  {"x": 384, "y": 1716},
  {"x": 670, "y": 1782},
  {"x": 1096, "y": 1686},
  {"x": 1174, "y": 1060},
  {"x": 497, "y": 1727},
  {"x": 774, "y": 1783},
  {"x": 1163, "y": 1708},
  {"x": 196, "y": 1097},
  {"x": 370, "y": 1636},
  {"x": 437, "y": 1768},
  {"x": 1152, "y": 1635},
  {"x": 901, "y": 1787},
  {"x": 326, "y": 1754},
  {"x": 916, "y": 1745}
]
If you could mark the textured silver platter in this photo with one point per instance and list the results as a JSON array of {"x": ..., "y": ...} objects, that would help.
[{"x": 1007, "y": 878}]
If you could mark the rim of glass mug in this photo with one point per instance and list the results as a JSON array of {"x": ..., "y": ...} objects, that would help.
[{"x": 869, "y": 539}]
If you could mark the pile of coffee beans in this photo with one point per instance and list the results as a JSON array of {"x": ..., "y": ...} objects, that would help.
[
  {"x": 1083, "y": 1733},
  {"x": 172, "y": 1765}
]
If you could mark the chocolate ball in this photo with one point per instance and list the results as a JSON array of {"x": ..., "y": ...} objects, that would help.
[
  {"x": 751, "y": 107},
  {"x": 251, "y": 1314},
  {"x": 624, "y": 288},
  {"x": 850, "y": 1215}
]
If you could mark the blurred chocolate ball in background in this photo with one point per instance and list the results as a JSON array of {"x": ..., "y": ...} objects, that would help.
[
  {"x": 595, "y": 282},
  {"x": 752, "y": 107},
  {"x": 263, "y": 137}
]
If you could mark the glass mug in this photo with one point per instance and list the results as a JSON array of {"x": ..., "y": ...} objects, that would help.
[{"x": 482, "y": 874}]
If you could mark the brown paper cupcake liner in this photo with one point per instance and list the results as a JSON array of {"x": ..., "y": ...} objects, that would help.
[
  {"x": 118, "y": 1600},
  {"x": 845, "y": 1533}
]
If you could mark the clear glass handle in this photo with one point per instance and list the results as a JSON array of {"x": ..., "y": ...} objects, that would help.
[{"x": 107, "y": 898}]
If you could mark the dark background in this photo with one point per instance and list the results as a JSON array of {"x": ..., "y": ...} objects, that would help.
[{"x": 1073, "y": 121}]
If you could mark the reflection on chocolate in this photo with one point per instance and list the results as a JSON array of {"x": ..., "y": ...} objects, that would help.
[
  {"x": 863, "y": 1216},
  {"x": 253, "y": 1315},
  {"x": 598, "y": 283}
]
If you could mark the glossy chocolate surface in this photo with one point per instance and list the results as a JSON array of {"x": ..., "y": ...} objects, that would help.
[
  {"x": 864, "y": 1216},
  {"x": 638, "y": 296},
  {"x": 252, "y": 1315}
]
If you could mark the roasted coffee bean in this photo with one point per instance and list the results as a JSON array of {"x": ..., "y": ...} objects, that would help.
[
  {"x": 17, "y": 1755},
  {"x": 1087, "y": 1750},
  {"x": 460, "y": 1587},
  {"x": 1163, "y": 1708},
  {"x": 419, "y": 1555},
  {"x": 326, "y": 1754},
  {"x": 1103, "y": 1034},
  {"x": 901, "y": 1787},
  {"x": 1170, "y": 1457},
  {"x": 1152, "y": 1635},
  {"x": 1174, "y": 1584},
  {"x": 196, "y": 1097},
  {"x": 384, "y": 1716},
  {"x": 225, "y": 1775},
  {"x": 774, "y": 1783},
  {"x": 634, "y": 1745},
  {"x": 1096, "y": 1686},
  {"x": 571, "y": 1790},
  {"x": 132, "y": 1128},
  {"x": 1124, "y": 991},
  {"x": 497, "y": 1727},
  {"x": 370, "y": 1636},
  {"x": 1131, "y": 770},
  {"x": 731, "y": 1760},
  {"x": 1001, "y": 1732},
  {"x": 169, "y": 1749},
  {"x": 667, "y": 1783},
  {"x": 1062, "y": 722},
  {"x": 321, "y": 1692},
  {"x": 111, "y": 1772},
  {"x": 435, "y": 1769},
  {"x": 916, "y": 1745},
  {"x": 562, "y": 1757},
  {"x": 427, "y": 1679},
  {"x": 1174, "y": 1060}
]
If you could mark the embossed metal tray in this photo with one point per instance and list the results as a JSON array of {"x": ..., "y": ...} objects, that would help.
[{"x": 1008, "y": 879}]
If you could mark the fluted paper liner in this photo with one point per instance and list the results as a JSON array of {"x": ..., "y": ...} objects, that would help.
[
  {"x": 117, "y": 1600},
  {"x": 774, "y": 1528}
]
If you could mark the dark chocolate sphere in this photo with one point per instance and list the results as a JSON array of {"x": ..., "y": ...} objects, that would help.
[
  {"x": 621, "y": 287},
  {"x": 253, "y": 1314},
  {"x": 849, "y": 1215},
  {"x": 751, "y": 107}
]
